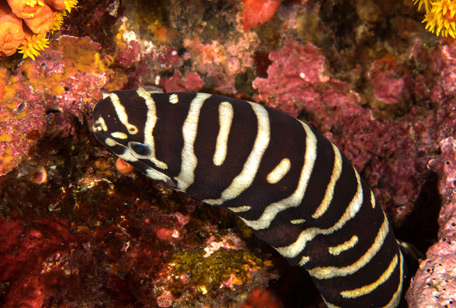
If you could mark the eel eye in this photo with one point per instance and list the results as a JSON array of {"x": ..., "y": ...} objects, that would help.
[
  {"x": 97, "y": 127},
  {"x": 139, "y": 150}
]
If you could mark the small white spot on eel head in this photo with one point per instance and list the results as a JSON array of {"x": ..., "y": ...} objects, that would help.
[
  {"x": 110, "y": 142},
  {"x": 173, "y": 99},
  {"x": 100, "y": 125},
  {"x": 119, "y": 135}
]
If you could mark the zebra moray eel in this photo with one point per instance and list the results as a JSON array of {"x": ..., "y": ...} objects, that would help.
[{"x": 287, "y": 182}]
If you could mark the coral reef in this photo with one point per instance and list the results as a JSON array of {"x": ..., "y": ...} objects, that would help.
[
  {"x": 221, "y": 63},
  {"x": 78, "y": 233},
  {"x": 90, "y": 237},
  {"x": 24, "y": 24},
  {"x": 434, "y": 283},
  {"x": 40, "y": 90},
  {"x": 294, "y": 69}
]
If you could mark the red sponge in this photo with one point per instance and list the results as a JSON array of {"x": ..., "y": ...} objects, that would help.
[{"x": 257, "y": 12}]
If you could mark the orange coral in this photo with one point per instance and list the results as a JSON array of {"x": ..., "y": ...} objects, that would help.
[
  {"x": 26, "y": 8},
  {"x": 11, "y": 32},
  {"x": 41, "y": 22},
  {"x": 40, "y": 19}
]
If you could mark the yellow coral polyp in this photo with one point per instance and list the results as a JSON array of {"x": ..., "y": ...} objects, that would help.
[
  {"x": 62, "y": 4},
  {"x": 426, "y": 3},
  {"x": 58, "y": 21},
  {"x": 33, "y": 45},
  {"x": 69, "y": 4},
  {"x": 441, "y": 18},
  {"x": 32, "y": 3}
]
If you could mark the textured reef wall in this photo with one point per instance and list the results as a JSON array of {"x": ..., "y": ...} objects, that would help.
[
  {"x": 77, "y": 233},
  {"x": 434, "y": 284}
]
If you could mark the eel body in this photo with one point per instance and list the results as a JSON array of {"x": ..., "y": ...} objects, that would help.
[{"x": 287, "y": 182}]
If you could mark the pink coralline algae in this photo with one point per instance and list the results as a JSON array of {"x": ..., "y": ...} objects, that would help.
[
  {"x": 442, "y": 67},
  {"x": 214, "y": 55},
  {"x": 177, "y": 83},
  {"x": 221, "y": 63},
  {"x": 390, "y": 86},
  {"x": 158, "y": 65},
  {"x": 295, "y": 69},
  {"x": 128, "y": 53},
  {"x": 434, "y": 285}
]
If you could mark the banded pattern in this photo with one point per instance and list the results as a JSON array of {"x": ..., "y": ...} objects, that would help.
[{"x": 287, "y": 182}]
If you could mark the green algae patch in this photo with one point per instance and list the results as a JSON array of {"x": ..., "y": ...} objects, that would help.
[{"x": 223, "y": 268}]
